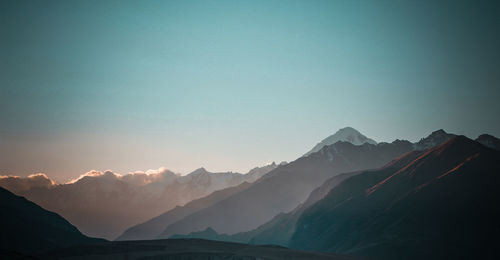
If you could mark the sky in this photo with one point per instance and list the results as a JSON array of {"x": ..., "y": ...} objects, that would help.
[{"x": 230, "y": 85}]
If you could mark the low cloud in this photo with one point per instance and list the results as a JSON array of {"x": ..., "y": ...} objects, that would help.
[
  {"x": 143, "y": 178},
  {"x": 136, "y": 178},
  {"x": 96, "y": 174},
  {"x": 18, "y": 184}
]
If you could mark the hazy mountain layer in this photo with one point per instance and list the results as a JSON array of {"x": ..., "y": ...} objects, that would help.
[
  {"x": 104, "y": 204},
  {"x": 280, "y": 229},
  {"x": 153, "y": 227}
]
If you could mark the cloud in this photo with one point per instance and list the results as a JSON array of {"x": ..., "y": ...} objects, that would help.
[
  {"x": 140, "y": 178},
  {"x": 104, "y": 203},
  {"x": 136, "y": 178},
  {"x": 18, "y": 184},
  {"x": 96, "y": 174}
]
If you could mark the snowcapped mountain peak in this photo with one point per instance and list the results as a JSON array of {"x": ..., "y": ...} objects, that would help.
[
  {"x": 346, "y": 134},
  {"x": 200, "y": 170}
]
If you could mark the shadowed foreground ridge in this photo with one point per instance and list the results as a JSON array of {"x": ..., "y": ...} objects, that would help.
[
  {"x": 441, "y": 203},
  {"x": 186, "y": 249},
  {"x": 28, "y": 228}
]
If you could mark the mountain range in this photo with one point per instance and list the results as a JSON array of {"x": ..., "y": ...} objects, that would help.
[
  {"x": 432, "y": 199},
  {"x": 427, "y": 204},
  {"x": 284, "y": 188},
  {"x": 432, "y": 204},
  {"x": 104, "y": 204},
  {"x": 30, "y": 232}
]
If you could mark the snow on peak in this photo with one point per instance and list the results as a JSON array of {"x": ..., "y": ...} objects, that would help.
[
  {"x": 200, "y": 170},
  {"x": 346, "y": 134}
]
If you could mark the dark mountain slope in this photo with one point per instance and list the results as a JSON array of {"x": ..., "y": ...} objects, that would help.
[
  {"x": 441, "y": 204},
  {"x": 28, "y": 228}
]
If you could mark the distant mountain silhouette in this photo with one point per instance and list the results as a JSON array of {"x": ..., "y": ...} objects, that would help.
[
  {"x": 28, "y": 228},
  {"x": 434, "y": 204},
  {"x": 104, "y": 204}
]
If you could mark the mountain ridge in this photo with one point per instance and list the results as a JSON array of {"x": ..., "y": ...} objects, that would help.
[
  {"x": 433, "y": 195},
  {"x": 258, "y": 235}
]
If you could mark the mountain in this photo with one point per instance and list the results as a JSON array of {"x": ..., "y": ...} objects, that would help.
[
  {"x": 104, "y": 204},
  {"x": 257, "y": 172},
  {"x": 185, "y": 249},
  {"x": 28, "y": 228},
  {"x": 280, "y": 229},
  {"x": 285, "y": 187},
  {"x": 432, "y": 204},
  {"x": 489, "y": 141},
  {"x": 277, "y": 231},
  {"x": 347, "y": 134},
  {"x": 435, "y": 138},
  {"x": 153, "y": 227}
]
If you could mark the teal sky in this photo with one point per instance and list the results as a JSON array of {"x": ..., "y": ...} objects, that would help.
[{"x": 229, "y": 85}]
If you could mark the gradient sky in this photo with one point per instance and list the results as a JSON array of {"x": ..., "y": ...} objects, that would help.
[{"x": 230, "y": 85}]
